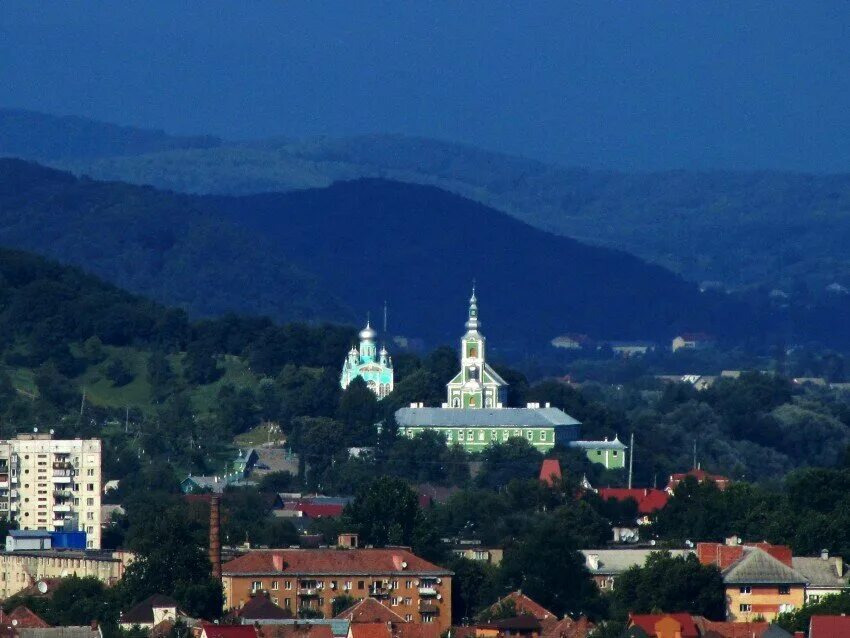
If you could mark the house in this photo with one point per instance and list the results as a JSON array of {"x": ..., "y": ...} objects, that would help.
[
  {"x": 315, "y": 506},
  {"x": 758, "y": 578},
  {"x": 474, "y": 550},
  {"x": 611, "y": 454},
  {"x": 22, "y": 617},
  {"x": 150, "y": 612},
  {"x": 522, "y": 605},
  {"x": 726, "y": 629},
  {"x": 649, "y": 500},
  {"x": 573, "y": 342},
  {"x": 309, "y": 579},
  {"x": 261, "y": 609},
  {"x": 73, "y": 631},
  {"x": 693, "y": 341},
  {"x": 550, "y": 472},
  {"x": 369, "y": 610},
  {"x": 701, "y": 476},
  {"x": 605, "y": 565},
  {"x": 28, "y": 539},
  {"x": 384, "y": 630},
  {"x": 677, "y": 625},
  {"x": 228, "y": 631},
  {"x": 826, "y": 575},
  {"x": 569, "y": 628},
  {"x": 628, "y": 349},
  {"x": 245, "y": 461},
  {"x": 299, "y": 629},
  {"x": 829, "y": 627}
]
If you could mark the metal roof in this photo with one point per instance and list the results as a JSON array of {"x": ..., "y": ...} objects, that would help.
[
  {"x": 616, "y": 444},
  {"x": 483, "y": 417},
  {"x": 822, "y": 572},
  {"x": 759, "y": 567},
  {"x": 616, "y": 561},
  {"x": 28, "y": 533}
]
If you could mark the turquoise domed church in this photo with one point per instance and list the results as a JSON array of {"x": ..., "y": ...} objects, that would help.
[{"x": 375, "y": 368}]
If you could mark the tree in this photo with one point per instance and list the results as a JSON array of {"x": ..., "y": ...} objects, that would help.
[
  {"x": 386, "y": 512},
  {"x": 798, "y": 620},
  {"x": 515, "y": 458},
  {"x": 474, "y": 585},
  {"x": 669, "y": 584},
  {"x": 118, "y": 372},
  {"x": 358, "y": 411},
  {"x": 546, "y": 564},
  {"x": 341, "y": 603}
]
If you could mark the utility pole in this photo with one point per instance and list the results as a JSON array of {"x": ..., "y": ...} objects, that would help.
[
  {"x": 695, "y": 454},
  {"x": 631, "y": 457},
  {"x": 127, "y": 420}
]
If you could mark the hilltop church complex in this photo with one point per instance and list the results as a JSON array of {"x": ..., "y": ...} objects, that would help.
[{"x": 474, "y": 413}]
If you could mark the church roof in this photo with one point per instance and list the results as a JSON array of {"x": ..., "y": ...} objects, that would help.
[{"x": 483, "y": 417}]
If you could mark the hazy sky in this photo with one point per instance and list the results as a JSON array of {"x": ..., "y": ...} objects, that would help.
[{"x": 629, "y": 84}]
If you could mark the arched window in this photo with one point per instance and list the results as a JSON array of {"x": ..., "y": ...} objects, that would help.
[{"x": 455, "y": 402}]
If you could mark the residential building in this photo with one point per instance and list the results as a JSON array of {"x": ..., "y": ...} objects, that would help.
[
  {"x": 375, "y": 368},
  {"x": 474, "y": 550},
  {"x": 611, "y": 454},
  {"x": 649, "y": 500},
  {"x": 676, "y": 625},
  {"x": 605, "y": 565},
  {"x": 149, "y": 613},
  {"x": 829, "y": 627},
  {"x": 20, "y": 570},
  {"x": 49, "y": 484},
  {"x": 759, "y": 579},
  {"x": 692, "y": 341},
  {"x": 825, "y": 575},
  {"x": 302, "y": 579},
  {"x": 701, "y": 476}
]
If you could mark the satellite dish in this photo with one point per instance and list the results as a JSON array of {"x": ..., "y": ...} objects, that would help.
[
  {"x": 51, "y": 430},
  {"x": 42, "y": 587},
  {"x": 35, "y": 430},
  {"x": 14, "y": 623}
]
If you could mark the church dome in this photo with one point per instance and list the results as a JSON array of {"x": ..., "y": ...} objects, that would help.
[{"x": 368, "y": 334}]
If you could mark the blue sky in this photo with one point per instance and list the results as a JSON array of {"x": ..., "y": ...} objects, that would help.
[{"x": 624, "y": 85}]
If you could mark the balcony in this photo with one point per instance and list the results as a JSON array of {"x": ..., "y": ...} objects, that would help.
[
  {"x": 429, "y": 607},
  {"x": 427, "y": 591},
  {"x": 62, "y": 478},
  {"x": 62, "y": 507},
  {"x": 308, "y": 592},
  {"x": 62, "y": 493},
  {"x": 63, "y": 465}
]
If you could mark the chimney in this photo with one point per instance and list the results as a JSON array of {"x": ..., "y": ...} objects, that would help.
[
  {"x": 93, "y": 625},
  {"x": 839, "y": 566},
  {"x": 824, "y": 554},
  {"x": 215, "y": 539},
  {"x": 593, "y": 561},
  {"x": 277, "y": 562}
]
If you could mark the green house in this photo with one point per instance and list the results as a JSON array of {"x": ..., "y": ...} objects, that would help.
[{"x": 611, "y": 454}]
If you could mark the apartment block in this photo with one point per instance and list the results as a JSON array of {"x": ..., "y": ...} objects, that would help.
[{"x": 51, "y": 484}]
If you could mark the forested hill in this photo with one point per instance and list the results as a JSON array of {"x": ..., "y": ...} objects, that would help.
[
  {"x": 38, "y": 136},
  {"x": 740, "y": 229},
  {"x": 316, "y": 254}
]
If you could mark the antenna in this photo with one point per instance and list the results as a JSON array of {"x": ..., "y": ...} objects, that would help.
[
  {"x": 631, "y": 457},
  {"x": 695, "y": 455},
  {"x": 385, "y": 319}
]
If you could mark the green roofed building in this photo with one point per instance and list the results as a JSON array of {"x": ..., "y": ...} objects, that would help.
[
  {"x": 611, "y": 454},
  {"x": 474, "y": 414}
]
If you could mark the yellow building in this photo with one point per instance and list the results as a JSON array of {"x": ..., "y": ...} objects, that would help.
[{"x": 760, "y": 585}]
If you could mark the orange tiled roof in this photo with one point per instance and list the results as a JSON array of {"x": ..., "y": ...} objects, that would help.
[
  {"x": 550, "y": 471},
  {"x": 25, "y": 617},
  {"x": 648, "y": 500},
  {"x": 569, "y": 628},
  {"x": 727, "y": 629},
  {"x": 393, "y": 560},
  {"x": 647, "y": 623},
  {"x": 524, "y": 605},
  {"x": 369, "y": 610}
]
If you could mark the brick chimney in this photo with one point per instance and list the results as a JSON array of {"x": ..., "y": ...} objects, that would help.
[{"x": 215, "y": 539}]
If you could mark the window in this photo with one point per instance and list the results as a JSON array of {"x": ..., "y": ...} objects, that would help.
[
  {"x": 395, "y": 601},
  {"x": 274, "y": 599},
  {"x": 275, "y": 586},
  {"x": 361, "y": 584},
  {"x": 90, "y": 516},
  {"x": 90, "y": 472},
  {"x": 449, "y": 435},
  {"x": 408, "y": 601},
  {"x": 427, "y": 619},
  {"x": 784, "y": 590},
  {"x": 348, "y": 585},
  {"x": 395, "y": 584},
  {"x": 90, "y": 487},
  {"x": 257, "y": 585},
  {"x": 461, "y": 436},
  {"x": 598, "y": 452},
  {"x": 493, "y": 435},
  {"x": 287, "y": 585},
  {"x": 615, "y": 452},
  {"x": 746, "y": 589},
  {"x": 542, "y": 436},
  {"x": 480, "y": 435},
  {"x": 408, "y": 584},
  {"x": 287, "y": 603},
  {"x": 530, "y": 435},
  {"x": 408, "y": 617},
  {"x": 90, "y": 502},
  {"x": 745, "y": 607}
]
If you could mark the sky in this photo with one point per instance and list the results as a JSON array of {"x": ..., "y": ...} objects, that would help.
[{"x": 629, "y": 85}]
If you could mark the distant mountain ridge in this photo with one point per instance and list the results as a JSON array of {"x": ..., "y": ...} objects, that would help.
[
  {"x": 739, "y": 229},
  {"x": 338, "y": 252}
]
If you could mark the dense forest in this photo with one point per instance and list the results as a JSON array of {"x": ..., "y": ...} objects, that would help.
[
  {"x": 742, "y": 229},
  {"x": 331, "y": 254}
]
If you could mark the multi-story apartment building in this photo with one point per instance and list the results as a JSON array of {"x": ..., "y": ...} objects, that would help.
[
  {"x": 302, "y": 579},
  {"x": 51, "y": 484}
]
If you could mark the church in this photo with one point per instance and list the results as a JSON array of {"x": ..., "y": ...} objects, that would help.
[
  {"x": 474, "y": 414},
  {"x": 375, "y": 368}
]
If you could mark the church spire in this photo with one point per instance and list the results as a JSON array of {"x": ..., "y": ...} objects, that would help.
[{"x": 472, "y": 324}]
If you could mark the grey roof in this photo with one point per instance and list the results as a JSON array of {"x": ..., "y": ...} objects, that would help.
[
  {"x": 775, "y": 631},
  {"x": 616, "y": 444},
  {"x": 759, "y": 567},
  {"x": 28, "y": 533},
  {"x": 483, "y": 417},
  {"x": 616, "y": 561},
  {"x": 821, "y": 572}
]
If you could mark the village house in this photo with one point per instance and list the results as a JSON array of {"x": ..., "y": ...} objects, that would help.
[
  {"x": 701, "y": 476},
  {"x": 693, "y": 341},
  {"x": 310, "y": 579},
  {"x": 826, "y": 575},
  {"x": 605, "y": 565}
]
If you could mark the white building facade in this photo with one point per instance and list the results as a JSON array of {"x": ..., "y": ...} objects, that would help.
[{"x": 52, "y": 485}]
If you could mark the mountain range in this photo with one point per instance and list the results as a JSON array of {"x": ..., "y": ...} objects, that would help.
[{"x": 735, "y": 230}]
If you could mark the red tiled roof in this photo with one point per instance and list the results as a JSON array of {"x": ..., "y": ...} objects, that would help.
[
  {"x": 719, "y": 554},
  {"x": 370, "y": 630},
  {"x": 524, "y": 605},
  {"x": 416, "y": 630},
  {"x": 369, "y": 610},
  {"x": 25, "y": 617},
  {"x": 732, "y": 629},
  {"x": 569, "y": 628},
  {"x": 259, "y": 607},
  {"x": 393, "y": 560},
  {"x": 228, "y": 631},
  {"x": 300, "y": 630},
  {"x": 829, "y": 627},
  {"x": 648, "y": 500},
  {"x": 647, "y": 623},
  {"x": 550, "y": 471},
  {"x": 701, "y": 476}
]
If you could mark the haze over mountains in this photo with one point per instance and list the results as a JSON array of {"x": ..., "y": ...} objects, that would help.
[{"x": 779, "y": 230}]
